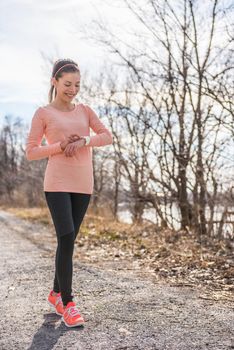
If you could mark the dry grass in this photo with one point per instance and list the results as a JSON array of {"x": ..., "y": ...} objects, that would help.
[
  {"x": 32, "y": 214},
  {"x": 104, "y": 224}
]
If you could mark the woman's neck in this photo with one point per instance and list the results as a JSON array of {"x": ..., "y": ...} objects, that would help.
[{"x": 63, "y": 106}]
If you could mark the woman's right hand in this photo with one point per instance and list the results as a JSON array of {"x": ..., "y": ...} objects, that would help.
[{"x": 70, "y": 139}]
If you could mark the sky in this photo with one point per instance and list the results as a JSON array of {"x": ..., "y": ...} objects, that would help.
[{"x": 31, "y": 30}]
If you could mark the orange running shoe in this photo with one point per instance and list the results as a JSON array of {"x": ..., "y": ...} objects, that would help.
[
  {"x": 71, "y": 316},
  {"x": 56, "y": 302}
]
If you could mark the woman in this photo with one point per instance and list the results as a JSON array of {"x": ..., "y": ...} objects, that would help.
[{"x": 68, "y": 180}]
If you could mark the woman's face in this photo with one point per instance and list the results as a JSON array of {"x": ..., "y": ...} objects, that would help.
[{"x": 67, "y": 86}]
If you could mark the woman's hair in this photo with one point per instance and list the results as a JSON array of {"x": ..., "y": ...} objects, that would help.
[{"x": 57, "y": 72}]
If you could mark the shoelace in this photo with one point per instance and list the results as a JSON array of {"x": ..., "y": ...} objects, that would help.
[{"x": 73, "y": 311}]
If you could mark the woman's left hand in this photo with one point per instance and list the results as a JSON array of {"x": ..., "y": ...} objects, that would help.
[{"x": 72, "y": 148}]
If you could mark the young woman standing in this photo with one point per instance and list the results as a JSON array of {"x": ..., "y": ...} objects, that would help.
[{"x": 68, "y": 180}]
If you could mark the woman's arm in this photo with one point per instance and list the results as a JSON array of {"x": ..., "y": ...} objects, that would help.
[
  {"x": 34, "y": 150},
  {"x": 104, "y": 136}
]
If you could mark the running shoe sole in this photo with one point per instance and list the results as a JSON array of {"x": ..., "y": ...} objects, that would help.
[{"x": 79, "y": 323}]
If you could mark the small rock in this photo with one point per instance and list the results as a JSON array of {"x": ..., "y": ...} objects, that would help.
[{"x": 125, "y": 331}]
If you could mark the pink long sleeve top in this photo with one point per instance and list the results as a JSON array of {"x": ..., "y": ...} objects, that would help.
[{"x": 66, "y": 174}]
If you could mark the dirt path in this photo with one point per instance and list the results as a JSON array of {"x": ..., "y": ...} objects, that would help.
[{"x": 121, "y": 310}]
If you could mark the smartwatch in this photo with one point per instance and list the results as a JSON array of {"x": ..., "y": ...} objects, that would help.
[{"x": 87, "y": 140}]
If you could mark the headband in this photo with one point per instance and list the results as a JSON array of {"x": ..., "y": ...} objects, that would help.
[{"x": 68, "y": 64}]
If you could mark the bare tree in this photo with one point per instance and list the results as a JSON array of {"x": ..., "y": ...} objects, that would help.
[
  {"x": 9, "y": 156},
  {"x": 182, "y": 71}
]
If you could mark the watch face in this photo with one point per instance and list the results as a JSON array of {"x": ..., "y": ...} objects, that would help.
[{"x": 87, "y": 139}]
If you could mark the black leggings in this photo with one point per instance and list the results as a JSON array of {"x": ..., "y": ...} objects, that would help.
[{"x": 67, "y": 212}]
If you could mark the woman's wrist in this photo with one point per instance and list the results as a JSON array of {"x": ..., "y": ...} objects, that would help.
[
  {"x": 87, "y": 140},
  {"x": 61, "y": 146}
]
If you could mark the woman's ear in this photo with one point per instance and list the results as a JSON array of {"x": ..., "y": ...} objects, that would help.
[{"x": 53, "y": 82}]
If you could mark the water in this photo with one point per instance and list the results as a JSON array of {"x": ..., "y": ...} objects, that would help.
[{"x": 173, "y": 218}]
